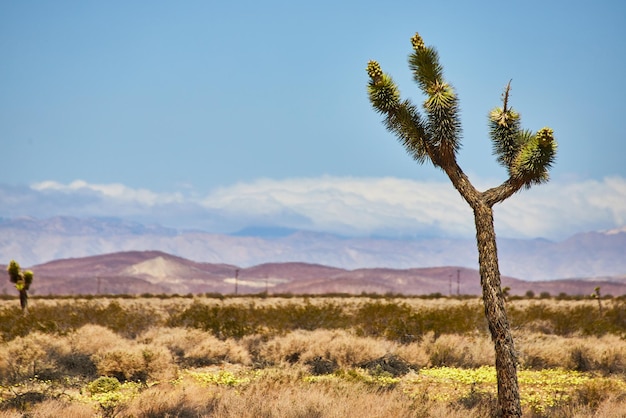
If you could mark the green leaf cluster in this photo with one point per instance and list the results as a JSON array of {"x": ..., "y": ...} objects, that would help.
[
  {"x": 526, "y": 155},
  {"x": 437, "y": 136},
  {"x": 21, "y": 279}
]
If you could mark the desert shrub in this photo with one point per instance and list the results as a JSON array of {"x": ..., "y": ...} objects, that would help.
[
  {"x": 136, "y": 362},
  {"x": 593, "y": 393},
  {"x": 66, "y": 316},
  {"x": 22, "y": 402},
  {"x": 55, "y": 407},
  {"x": 89, "y": 339},
  {"x": 76, "y": 364},
  {"x": 98, "y": 350},
  {"x": 279, "y": 394},
  {"x": 103, "y": 384},
  {"x": 167, "y": 400},
  {"x": 320, "y": 366},
  {"x": 306, "y": 316},
  {"x": 413, "y": 353},
  {"x": 129, "y": 321},
  {"x": 606, "y": 354},
  {"x": 237, "y": 321},
  {"x": 402, "y": 323},
  {"x": 224, "y": 321},
  {"x": 612, "y": 406},
  {"x": 390, "y": 364},
  {"x": 388, "y": 320},
  {"x": 613, "y": 360},
  {"x": 465, "y": 351},
  {"x": 14, "y": 324},
  {"x": 583, "y": 318},
  {"x": 540, "y": 351},
  {"x": 297, "y": 398},
  {"x": 484, "y": 403},
  {"x": 196, "y": 348},
  {"x": 58, "y": 407},
  {"x": 46, "y": 357},
  {"x": 34, "y": 355},
  {"x": 338, "y": 346},
  {"x": 581, "y": 359}
]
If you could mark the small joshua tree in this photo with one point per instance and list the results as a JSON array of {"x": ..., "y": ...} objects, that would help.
[
  {"x": 596, "y": 295},
  {"x": 22, "y": 281},
  {"x": 527, "y": 156}
]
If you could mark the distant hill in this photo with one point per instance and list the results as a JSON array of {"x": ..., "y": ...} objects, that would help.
[
  {"x": 35, "y": 241},
  {"x": 137, "y": 272}
]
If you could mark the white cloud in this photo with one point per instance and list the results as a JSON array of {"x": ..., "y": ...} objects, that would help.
[
  {"x": 558, "y": 209},
  {"x": 344, "y": 205},
  {"x": 115, "y": 191},
  {"x": 351, "y": 205}
]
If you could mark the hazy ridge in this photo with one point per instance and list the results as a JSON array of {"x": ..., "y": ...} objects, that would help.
[
  {"x": 140, "y": 272},
  {"x": 36, "y": 241}
]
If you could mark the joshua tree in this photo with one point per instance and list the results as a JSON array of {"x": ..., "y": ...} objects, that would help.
[
  {"x": 22, "y": 281},
  {"x": 596, "y": 295},
  {"x": 436, "y": 137}
]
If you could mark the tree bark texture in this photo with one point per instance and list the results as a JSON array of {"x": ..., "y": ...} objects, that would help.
[
  {"x": 506, "y": 357},
  {"x": 24, "y": 300}
]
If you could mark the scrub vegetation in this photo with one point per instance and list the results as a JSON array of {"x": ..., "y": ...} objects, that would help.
[{"x": 287, "y": 356}]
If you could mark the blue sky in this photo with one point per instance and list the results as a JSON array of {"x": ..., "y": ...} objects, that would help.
[{"x": 215, "y": 115}]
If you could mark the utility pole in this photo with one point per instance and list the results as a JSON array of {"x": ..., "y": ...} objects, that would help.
[
  {"x": 236, "y": 278},
  {"x": 458, "y": 282}
]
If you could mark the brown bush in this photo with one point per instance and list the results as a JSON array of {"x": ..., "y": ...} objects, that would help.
[
  {"x": 197, "y": 348},
  {"x": 27, "y": 357},
  {"x": 296, "y": 398},
  {"x": 466, "y": 351},
  {"x": 606, "y": 354},
  {"x": 89, "y": 339},
  {"x": 54, "y": 408},
  {"x": 135, "y": 362},
  {"x": 169, "y": 400},
  {"x": 340, "y": 346}
]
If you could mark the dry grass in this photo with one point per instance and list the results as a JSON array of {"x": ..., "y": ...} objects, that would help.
[
  {"x": 289, "y": 371},
  {"x": 605, "y": 354},
  {"x": 282, "y": 393},
  {"x": 196, "y": 348},
  {"x": 339, "y": 346}
]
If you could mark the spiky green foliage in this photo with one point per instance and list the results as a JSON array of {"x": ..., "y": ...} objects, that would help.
[
  {"x": 21, "y": 279},
  {"x": 383, "y": 92},
  {"x": 535, "y": 158},
  {"x": 28, "y": 279},
  {"x": 506, "y": 134},
  {"x": 401, "y": 118},
  {"x": 14, "y": 271},
  {"x": 441, "y": 104},
  {"x": 527, "y": 156},
  {"x": 437, "y": 138}
]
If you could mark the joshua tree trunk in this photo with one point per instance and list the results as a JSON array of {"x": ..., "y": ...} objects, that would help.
[
  {"x": 506, "y": 358},
  {"x": 24, "y": 300}
]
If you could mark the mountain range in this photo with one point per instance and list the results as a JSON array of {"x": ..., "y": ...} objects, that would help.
[
  {"x": 155, "y": 272},
  {"x": 31, "y": 241}
]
